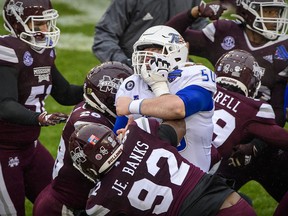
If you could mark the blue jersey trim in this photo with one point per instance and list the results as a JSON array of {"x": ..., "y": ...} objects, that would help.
[
  {"x": 196, "y": 99},
  {"x": 120, "y": 122}
]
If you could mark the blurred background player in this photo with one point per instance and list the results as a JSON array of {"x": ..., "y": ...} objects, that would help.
[
  {"x": 68, "y": 192},
  {"x": 125, "y": 20},
  {"x": 28, "y": 75},
  {"x": 260, "y": 29}
]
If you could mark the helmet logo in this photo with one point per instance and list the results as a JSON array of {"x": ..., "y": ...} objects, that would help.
[
  {"x": 107, "y": 84},
  {"x": 175, "y": 38},
  {"x": 78, "y": 156},
  {"x": 258, "y": 71},
  {"x": 16, "y": 6},
  {"x": 103, "y": 150}
]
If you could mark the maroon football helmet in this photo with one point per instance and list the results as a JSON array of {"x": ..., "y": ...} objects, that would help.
[
  {"x": 94, "y": 149},
  {"x": 250, "y": 12},
  {"x": 240, "y": 69},
  {"x": 23, "y": 17},
  {"x": 101, "y": 85}
]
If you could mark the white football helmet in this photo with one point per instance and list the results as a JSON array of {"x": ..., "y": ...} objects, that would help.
[
  {"x": 174, "y": 48},
  {"x": 250, "y": 12},
  {"x": 18, "y": 14}
]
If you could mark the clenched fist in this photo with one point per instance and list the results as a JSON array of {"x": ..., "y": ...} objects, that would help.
[
  {"x": 213, "y": 10},
  {"x": 122, "y": 106}
]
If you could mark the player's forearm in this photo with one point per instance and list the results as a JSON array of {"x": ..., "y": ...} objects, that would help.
[
  {"x": 164, "y": 107},
  {"x": 273, "y": 135}
]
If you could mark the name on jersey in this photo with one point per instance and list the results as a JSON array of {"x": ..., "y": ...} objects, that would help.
[
  {"x": 227, "y": 101},
  {"x": 43, "y": 73},
  {"x": 131, "y": 165}
]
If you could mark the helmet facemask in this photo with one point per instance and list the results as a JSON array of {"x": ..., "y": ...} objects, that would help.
[{"x": 252, "y": 14}]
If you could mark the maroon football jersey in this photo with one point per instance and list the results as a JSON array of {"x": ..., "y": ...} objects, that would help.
[
  {"x": 222, "y": 36},
  {"x": 150, "y": 178},
  {"x": 70, "y": 186},
  {"x": 34, "y": 85},
  {"x": 238, "y": 119}
]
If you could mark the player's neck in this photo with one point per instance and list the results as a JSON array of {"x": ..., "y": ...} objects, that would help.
[{"x": 255, "y": 38}]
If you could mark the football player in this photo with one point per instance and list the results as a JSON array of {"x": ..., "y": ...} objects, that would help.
[
  {"x": 260, "y": 28},
  {"x": 68, "y": 192},
  {"x": 142, "y": 173},
  {"x": 185, "y": 89},
  {"x": 238, "y": 118},
  {"x": 28, "y": 75}
]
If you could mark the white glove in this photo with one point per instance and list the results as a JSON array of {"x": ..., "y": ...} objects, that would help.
[{"x": 156, "y": 77}]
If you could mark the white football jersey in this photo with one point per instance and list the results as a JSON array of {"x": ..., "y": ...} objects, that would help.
[{"x": 196, "y": 145}]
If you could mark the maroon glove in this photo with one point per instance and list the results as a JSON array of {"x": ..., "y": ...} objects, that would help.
[
  {"x": 242, "y": 155},
  {"x": 213, "y": 10},
  {"x": 51, "y": 119}
]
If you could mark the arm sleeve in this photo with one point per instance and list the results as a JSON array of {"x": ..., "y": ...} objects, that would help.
[
  {"x": 10, "y": 109},
  {"x": 273, "y": 134},
  {"x": 120, "y": 122},
  {"x": 167, "y": 133},
  {"x": 277, "y": 102},
  {"x": 108, "y": 32},
  {"x": 181, "y": 21},
  {"x": 63, "y": 92},
  {"x": 196, "y": 99}
]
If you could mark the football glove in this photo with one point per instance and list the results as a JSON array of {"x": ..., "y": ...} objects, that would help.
[
  {"x": 46, "y": 119},
  {"x": 244, "y": 153},
  {"x": 156, "y": 77},
  {"x": 213, "y": 10}
]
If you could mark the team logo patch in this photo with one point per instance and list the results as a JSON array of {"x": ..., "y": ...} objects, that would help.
[
  {"x": 52, "y": 55},
  {"x": 228, "y": 43},
  {"x": 98, "y": 157},
  {"x": 129, "y": 85},
  {"x": 281, "y": 53},
  {"x": 13, "y": 162},
  {"x": 43, "y": 73},
  {"x": 27, "y": 59},
  {"x": 174, "y": 74}
]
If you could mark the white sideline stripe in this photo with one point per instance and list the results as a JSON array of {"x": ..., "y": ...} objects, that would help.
[
  {"x": 6, "y": 205},
  {"x": 76, "y": 41}
]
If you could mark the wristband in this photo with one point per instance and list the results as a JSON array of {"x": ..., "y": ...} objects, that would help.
[{"x": 135, "y": 106}]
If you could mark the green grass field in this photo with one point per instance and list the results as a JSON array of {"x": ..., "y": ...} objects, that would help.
[{"x": 75, "y": 59}]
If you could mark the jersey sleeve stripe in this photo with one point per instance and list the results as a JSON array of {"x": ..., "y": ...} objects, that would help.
[
  {"x": 143, "y": 123},
  {"x": 266, "y": 111},
  {"x": 8, "y": 54}
]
